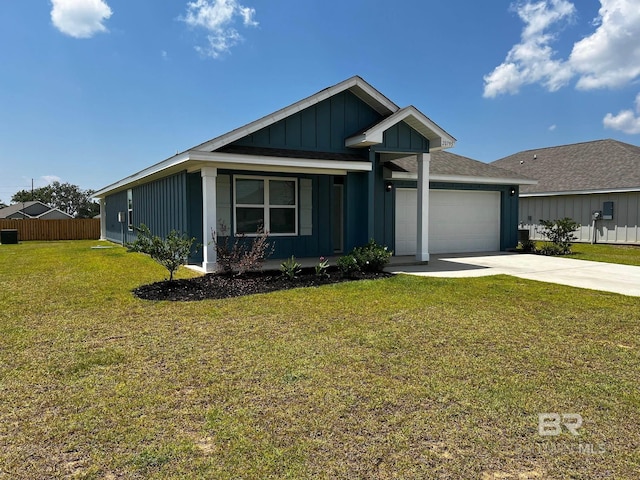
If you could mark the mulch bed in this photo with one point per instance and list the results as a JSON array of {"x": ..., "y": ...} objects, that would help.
[{"x": 216, "y": 286}]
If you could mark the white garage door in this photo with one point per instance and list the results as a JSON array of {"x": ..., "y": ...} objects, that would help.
[{"x": 459, "y": 221}]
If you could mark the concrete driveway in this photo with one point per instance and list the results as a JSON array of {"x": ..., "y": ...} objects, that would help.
[{"x": 606, "y": 277}]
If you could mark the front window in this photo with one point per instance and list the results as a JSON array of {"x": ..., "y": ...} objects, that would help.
[{"x": 267, "y": 202}]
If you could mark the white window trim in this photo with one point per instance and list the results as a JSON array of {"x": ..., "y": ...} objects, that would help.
[
  {"x": 130, "y": 210},
  {"x": 266, "y": 206}
]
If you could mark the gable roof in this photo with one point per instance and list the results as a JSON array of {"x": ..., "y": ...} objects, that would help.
[
  {"x": 599, "y": 166},
  {"x": 214, "y": 152},
  {"x": 22, "y": 210},
  {"x": 438, "y": 138},
  {"x": 356, "y": 85},
  {"x": 449, "y": 167}
]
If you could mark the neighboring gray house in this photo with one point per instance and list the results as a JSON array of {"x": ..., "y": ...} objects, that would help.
[
  {"x": 578, "y": 180},
  {"x": 323, "y": 175},
  {"x": 33, "y": 210}
]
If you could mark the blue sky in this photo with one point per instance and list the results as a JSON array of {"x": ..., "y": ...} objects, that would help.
[{"x": 94, "y": 90}]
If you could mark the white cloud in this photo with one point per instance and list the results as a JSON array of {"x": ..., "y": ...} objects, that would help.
[
  {"x": 610, "y": 57},
  {"x": 552, "y": 127},
  {"x": 218, "y": 18},
  {"x": 80, "y": 18},
  {"x": 532, "y": 60},
  {"x": 626, "y": 121}
]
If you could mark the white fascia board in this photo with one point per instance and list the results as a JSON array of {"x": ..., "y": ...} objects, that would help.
[
  {"x": 167, "y": 164},
  {"x": 383, "y": 104},
  {"x": 582, "y": 192},
  {"x": 463, "y": 179},
  {"x": 231, "y": 160},
  {"x": 194, "y": 160},
  {"x": 438, "y": 138}
]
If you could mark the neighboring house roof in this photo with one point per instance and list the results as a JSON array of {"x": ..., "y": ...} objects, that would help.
[
  {"x": 599, "y": 166},
  {"x": 16, "y": 208},
  {"x": 449, "y": 167},
  {"x": 216, "y": 150},
  {"x": 54, "y": 214},
  {"x": 34, "y": 209}
]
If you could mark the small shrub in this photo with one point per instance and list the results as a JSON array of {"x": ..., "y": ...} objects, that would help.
[
  {"x": 321, "y": 267},
  {"x": 371, "y": 257},
  {"x": 348, "y": 265},
  {"x": 528, "y": 246},
  {"x": 290, "y": 267},
  {"x": 560, "y": 234},
  {"x": 241, "y": 256},
  {"x": 550, "y": 249},
  {"x": 170, "y": 252}
]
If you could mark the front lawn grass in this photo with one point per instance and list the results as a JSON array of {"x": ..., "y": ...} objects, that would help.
[
  {"x": 406, "y": 377},
  {"x": 625, "y": 254}
]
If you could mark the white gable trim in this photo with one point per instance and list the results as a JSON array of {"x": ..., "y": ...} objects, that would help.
[
  {"x": 438, "y": 138},
  {"x": 355, "y": 84}
]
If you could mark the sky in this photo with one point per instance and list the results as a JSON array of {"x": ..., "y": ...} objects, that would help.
[{"x": 92, "y": 91}]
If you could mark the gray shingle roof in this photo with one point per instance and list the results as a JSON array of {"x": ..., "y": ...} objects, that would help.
[
  {"x": 447, "y": 163},
  {"x": 15, "y": 208},
  {"x": 598, "y": 165},
  {"x": 33, "y": 209}
]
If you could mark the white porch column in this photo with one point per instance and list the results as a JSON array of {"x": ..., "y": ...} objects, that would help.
[
  {"x": 422, "y": 242},
  {"x": 103, "y": 219},
  {"x": 209, "y": 217}
]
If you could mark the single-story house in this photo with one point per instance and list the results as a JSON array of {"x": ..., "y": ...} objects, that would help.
[
  {"x": 597, "y": 184},
  {"x": 323, "y": 176},
  {"x": 34, "y": 209}
]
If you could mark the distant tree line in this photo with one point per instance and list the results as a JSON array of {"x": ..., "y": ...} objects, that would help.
[{"x": 66, "y": 197}]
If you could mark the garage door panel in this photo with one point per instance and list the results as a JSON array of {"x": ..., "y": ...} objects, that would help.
[{"x": 459, "y": 221}]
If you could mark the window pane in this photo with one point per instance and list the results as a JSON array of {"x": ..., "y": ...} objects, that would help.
[
  {"x": 282, "y": 192},
  {"x": 248, "y": 220},
  {"x": 283, "y": 220},
  {"x": 249, "y": 191}
]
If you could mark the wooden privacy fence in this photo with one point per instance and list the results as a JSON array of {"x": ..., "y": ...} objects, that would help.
[{"x": 72, "y": 229}]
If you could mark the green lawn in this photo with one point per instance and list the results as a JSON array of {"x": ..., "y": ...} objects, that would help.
[
  {"x": 626, "y": 254},
  {"x": 399, "y": 378}
]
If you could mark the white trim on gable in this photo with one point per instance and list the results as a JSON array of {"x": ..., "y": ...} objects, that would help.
[
  {"x": 438, "y": 138},
  {"x": 356, "y": 85}
]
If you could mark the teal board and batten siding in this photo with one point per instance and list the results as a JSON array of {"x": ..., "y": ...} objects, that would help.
[
  {"x": 508, "y": 208},
  {"x": 323, "y": 127},
  {"x": 624, "y": 228},
  {"x": 116, "y": 231},
  {"x": 170, "y": 203},
  {"x": 402, "y": 138}
]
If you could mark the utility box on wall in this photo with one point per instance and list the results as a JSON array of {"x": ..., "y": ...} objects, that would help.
[{"x": 607, "y": 211}]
